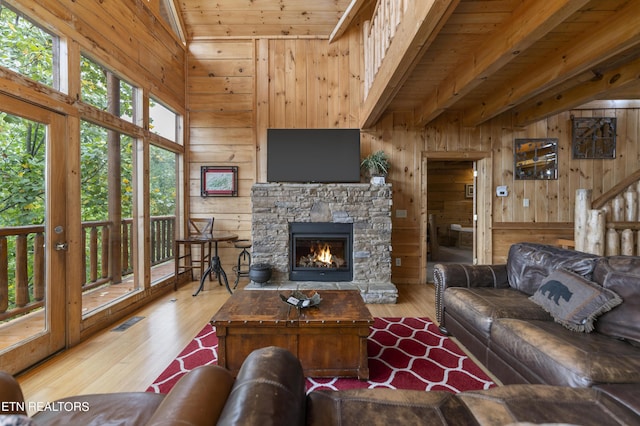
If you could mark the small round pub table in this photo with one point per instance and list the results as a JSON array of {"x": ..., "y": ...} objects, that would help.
[{"x": 215, "y": 267}]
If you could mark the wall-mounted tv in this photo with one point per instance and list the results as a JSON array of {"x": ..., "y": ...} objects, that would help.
[{"x": 313, "y": 155}]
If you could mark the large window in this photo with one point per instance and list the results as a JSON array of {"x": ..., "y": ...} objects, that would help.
[
  {"x": 162, "y": 207},
  {"x": 162, "y": 121},
  {"x": 106, "y": 91},
  {"x": 26, "y": 48},
  {"x": 22, "y": 210},
  {"x": 107, "y": 197}
]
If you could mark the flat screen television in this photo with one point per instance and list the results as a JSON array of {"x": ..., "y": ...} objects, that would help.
[{"x": 313, "y": 155}]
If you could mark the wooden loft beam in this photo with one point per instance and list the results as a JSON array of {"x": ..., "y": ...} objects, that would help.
[
  {"x": 619, "y": 34},
  {"x": 346, "y": 19},
  {"x": 595, "y": 88},
  {"x": 415, "y": 33},
  {"x": 530, "y": 22}
]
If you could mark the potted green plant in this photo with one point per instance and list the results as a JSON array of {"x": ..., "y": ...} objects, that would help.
[{"x": 376, "y": 166}]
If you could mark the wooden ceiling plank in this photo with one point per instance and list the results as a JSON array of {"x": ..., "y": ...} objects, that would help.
[
  {"x": 529, "y": 22},
  {"x": 415, "y": 33},
  {"x": 586, "y": 52},
  {"x": 347, "y": 17},
  {"x": 623, "y": 76}
]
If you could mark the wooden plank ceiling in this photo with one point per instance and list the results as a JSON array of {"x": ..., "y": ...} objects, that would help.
[{"x": 533, "y": 58}]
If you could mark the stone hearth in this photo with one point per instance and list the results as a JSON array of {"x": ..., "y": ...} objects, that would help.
[{"x": 366, "y": 206}]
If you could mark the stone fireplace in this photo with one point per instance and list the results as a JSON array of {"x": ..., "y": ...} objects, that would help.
[{"x": 355, "y": 218}]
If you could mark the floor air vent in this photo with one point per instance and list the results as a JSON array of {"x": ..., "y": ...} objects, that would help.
[{"x": 128, "y": 323}]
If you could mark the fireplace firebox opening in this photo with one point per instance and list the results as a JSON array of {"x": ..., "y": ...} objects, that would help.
[{"x": 321, "y": 251}]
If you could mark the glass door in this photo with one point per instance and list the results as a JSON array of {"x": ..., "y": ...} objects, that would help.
[{"x": 33, "y": 233}]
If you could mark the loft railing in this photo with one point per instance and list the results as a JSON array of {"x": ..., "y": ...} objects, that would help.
[
  {"x": 378, "y": 33},
  {"x": 23, "y": 267}
]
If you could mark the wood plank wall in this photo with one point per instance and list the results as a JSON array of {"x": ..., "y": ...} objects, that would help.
[
  {"x": 237, "y": 89},
  {"x": 221, "y": 117},
  {"x": 306, "y": 82}
]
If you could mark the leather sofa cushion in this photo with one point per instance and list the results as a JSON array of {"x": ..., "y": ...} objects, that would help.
[
  {"x": 530, "y": 263},
  {"x": 606, "y": 265},
  {"x": 269, "y": 390},
  {"x": 123, "y": 409},
  {"x": 627, "y": 394},
  {"x": 542, "y": 404},
  {"x": 481, "y": 306},
  {"x": 385, "y": 407},
  {"x": 197, "y": 399},
  {"x": 563, "y": 357},
  {"x": 621, "y": 274}
]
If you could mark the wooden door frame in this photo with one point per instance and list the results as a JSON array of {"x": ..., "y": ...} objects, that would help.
[{"x": 482, "y": 241}]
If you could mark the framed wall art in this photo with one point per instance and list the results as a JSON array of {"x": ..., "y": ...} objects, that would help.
[
  {"x": 593, "y": 137},
  {"x": 219, "y": 181},
  {"x": 536, "y": 159},
  {"x": 468, "y": 190}
]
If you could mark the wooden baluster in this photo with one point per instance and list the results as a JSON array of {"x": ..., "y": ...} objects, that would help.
[
  {"x": 125, "y": 246},
  {"x": 165, "y": 237},
  {"x": 595, "y": 233},
  {"x": 583, "y": 204},
  {"x": 38, "y": 266},
  {"x": 22, "y": 277},
  {"x": 617, "y": 209},
  {"x": 630, "y": 205},
  {"x": 613, "y": 243},
  {"x": 4, "y": 275},
  {"x": 93, "y": 254},
  {"x": 105, "y": 251},
  {"x": 155, "y": 237},
  {"x": 626, "y": 244},
  {"x": 84, "y": 256},
  {"x": 607, "y": 212}
]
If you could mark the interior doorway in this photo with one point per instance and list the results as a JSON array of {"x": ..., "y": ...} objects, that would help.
[
  {"x": 450, "y": 211},
  {"x": 454, "y": 229}
]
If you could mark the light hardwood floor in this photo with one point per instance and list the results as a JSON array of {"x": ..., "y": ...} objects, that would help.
[{"x": 130, "y": 360}]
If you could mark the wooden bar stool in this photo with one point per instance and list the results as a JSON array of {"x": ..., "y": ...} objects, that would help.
[
  {"x": 244, "y": 260},
  {"x": 199, "y": 235}
]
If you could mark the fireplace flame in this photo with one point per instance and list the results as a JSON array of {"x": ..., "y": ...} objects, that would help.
[
  {"x": 320, "y": 256},
  {"x": 324, "y": 254}
]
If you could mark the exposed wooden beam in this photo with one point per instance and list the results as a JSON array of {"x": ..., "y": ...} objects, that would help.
[
  {"x": 621, "y": 32},
  {"x": 530, "y": 22},
  {"x": 346, "y": 19},
  {"x": 625, "y": 75},
  {"x": 614, "y": 103},
  {"x": 415, "y": 33}
]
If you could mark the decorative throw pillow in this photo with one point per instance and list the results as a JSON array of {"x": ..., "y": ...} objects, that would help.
[{"x": 574, "y": 301}]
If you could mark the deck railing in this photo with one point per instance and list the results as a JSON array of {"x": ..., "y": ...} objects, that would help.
[{"x": 23, "y": 267}]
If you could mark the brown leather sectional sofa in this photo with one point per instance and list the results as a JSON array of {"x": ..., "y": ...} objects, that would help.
[
  {"x": 270, "y": 390},
  {"x": 487, "y": 308}
]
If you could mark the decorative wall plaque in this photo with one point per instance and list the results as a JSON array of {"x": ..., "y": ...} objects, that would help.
[
  {"x": 593, "y": 137},
  {"x": 536, "y": 158}
]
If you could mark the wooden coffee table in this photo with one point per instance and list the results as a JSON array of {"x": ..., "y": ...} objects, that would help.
[{"x": 330, "y": 339}]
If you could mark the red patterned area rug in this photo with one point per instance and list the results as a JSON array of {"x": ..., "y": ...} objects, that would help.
[{"x": 404, "y": 353}]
